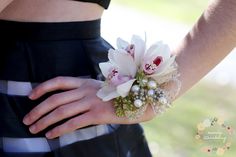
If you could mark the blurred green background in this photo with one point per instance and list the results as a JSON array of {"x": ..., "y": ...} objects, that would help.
[
  {"x": 186, "y": 11},
  {"x": 173, "y": 133}
]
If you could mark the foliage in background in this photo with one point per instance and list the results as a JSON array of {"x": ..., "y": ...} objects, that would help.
[{"x": 186, "y": 11}]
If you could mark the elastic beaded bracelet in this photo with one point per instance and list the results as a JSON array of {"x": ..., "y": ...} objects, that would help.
[{"x": 136, "y": 78}]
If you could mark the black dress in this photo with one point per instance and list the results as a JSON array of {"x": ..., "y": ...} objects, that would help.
[{"x": 33, "y": 52}]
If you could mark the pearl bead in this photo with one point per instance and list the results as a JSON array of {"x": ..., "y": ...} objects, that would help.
[
  {"x": 162, "y": 100},
  {"x": 135, "y": 88},
  {"x": 138, "y": 103},
  {"x": 152, "y": 84},
  {"x": 151, "y": 92}
]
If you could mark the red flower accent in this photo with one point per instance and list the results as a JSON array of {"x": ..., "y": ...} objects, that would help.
[{"x": 157, "y": 61}]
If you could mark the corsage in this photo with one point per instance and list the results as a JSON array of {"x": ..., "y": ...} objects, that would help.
[{"x": 137, "y": 77}]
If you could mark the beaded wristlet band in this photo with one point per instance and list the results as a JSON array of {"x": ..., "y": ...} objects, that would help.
[{"x": 136, "y": 78}]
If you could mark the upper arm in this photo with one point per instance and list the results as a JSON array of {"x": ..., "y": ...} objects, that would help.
[{"x": 4, "y": 4}]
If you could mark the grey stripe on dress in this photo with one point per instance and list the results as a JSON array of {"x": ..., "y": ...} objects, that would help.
[
  {"x": 19, "y": 88},
  {"x": 41, "y": 144}
]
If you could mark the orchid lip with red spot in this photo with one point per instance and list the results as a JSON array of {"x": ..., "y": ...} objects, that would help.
[
  {"x": 112, "y": 74},
  {"x": 131, "y": 49},
  {"x": 157, "y": 60},
  {"x": 150, "y": 68},
  {"x": 116, "y": 79}
]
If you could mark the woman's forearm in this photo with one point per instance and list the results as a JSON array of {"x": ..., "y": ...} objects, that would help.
[
  {"x": 4, "y": 4},
  {"x": 210, "y": 40}
]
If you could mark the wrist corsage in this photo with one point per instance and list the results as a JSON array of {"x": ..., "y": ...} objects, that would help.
[{"x": 137, "y": 77}]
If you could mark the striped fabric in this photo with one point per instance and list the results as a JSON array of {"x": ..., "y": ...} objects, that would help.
[
  {"x": 41, "y": 144},
  {"x": 31, "y": 53},
  {"x": 34, "y": 52}
]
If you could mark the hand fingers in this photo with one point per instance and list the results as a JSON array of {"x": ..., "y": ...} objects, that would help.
[
  {"x": 59, "y": 114},
  {"x": 57, "y": 83},
  {"x": 53, "y": 102},
  {"x": 91, "y": 117},
  {"x": 71, "y": 125}
]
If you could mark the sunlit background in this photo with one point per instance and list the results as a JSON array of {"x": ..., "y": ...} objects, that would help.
[{"x": 173, "y": 133}]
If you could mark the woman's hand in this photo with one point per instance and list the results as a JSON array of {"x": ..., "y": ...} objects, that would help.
[{"x": 79, "y": 98}]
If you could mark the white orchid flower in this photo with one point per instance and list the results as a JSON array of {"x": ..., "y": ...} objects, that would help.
[
  {"x": 119, "y": 73},
  {"x": 124, "y": 62},
  {"x": 157, "y": 61},
  {"x": 136, "y": 48},
  {"x": 121, "y": 69}
]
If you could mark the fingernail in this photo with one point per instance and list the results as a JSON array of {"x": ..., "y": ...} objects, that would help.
[
  {"x": 31, "y": 96},
  {"x": 32, "y": 129},
  {"x": 48, "y": 135},
  {"x": 26, "y": 121}
]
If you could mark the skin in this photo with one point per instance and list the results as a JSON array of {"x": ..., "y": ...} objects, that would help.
[
  {"x": 36, "y": 10},
  {"x": 4, "y": 4},
  {"x": 209, "y": 41}
]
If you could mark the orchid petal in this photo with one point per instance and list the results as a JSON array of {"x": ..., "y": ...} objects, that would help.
[
  {"x": 107, "y": 93},
  {"x": 158, "y": 49},
  {"x": 124, "y": 88},
  {"x": 121, "y": 44},
  {"x": 140, "y": 48},
  {"x": 105, "y": 68},
  {"x": 124, "y": 62},
  {"x": 112, "y": 52},
  {"x": 166, "y": 65}
]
